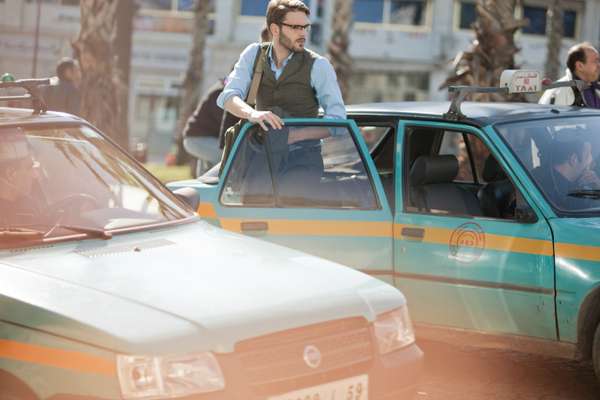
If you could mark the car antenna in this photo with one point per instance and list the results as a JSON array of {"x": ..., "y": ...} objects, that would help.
[
  {"x": 513, "y": 81},
  {"x": 33, "y": 92}
]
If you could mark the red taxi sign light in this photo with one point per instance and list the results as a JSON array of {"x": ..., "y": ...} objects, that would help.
[{"x": 521, "y": 81}]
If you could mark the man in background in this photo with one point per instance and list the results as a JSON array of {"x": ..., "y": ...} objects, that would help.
[
  {"x": 583, "y": 63},
  {"x": 65, "y": 95},
  {"x": 202, "y": 130}
]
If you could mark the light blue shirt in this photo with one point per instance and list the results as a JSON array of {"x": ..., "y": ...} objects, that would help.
[{"x": 322, "y": 79}]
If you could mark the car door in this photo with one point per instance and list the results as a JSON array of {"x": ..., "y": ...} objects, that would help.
[
  {"x": 471, "y": 249},
  {"x": 340, "y": 214}
]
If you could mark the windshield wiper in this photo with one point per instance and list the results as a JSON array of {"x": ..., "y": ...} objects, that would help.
[
  {"x": 585, "y": 193},
  {"x": 91, "y": 232},
  {"x": 20, "y": 233}
]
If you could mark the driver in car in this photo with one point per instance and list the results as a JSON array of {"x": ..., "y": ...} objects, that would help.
[
  {"x": 571, "y": 174},
  {"x": 18, "y": 205}
]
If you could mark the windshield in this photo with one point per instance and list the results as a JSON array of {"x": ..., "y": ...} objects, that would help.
[
  {"x": 562, "y": 155},
  {"x": 69, "y": 180}
]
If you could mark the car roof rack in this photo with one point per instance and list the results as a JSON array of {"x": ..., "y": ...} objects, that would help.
[
  {"x": 33, "y": 92},
  {"x": 511, "y": 82}
]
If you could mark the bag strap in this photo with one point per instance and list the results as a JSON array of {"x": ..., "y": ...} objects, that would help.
[{"x": 259, "y": 67}]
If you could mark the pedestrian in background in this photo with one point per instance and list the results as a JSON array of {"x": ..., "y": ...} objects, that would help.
[
  {"x": 583, "y": 63},
  {"x": 202, "y": 130},
  {"x": 65, "y": 95}
]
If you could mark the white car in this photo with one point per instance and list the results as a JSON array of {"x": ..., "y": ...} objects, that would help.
[{"x": 112, "y": 288}]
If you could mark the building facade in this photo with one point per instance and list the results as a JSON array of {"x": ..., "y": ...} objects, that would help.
[{"x": 401, "y": 48}]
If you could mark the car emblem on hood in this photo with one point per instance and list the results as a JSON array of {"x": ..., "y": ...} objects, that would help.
[{"x": 312, "y": 356}]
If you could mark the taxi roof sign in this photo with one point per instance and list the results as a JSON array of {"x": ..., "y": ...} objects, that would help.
[{"x": 521, "y": 81}]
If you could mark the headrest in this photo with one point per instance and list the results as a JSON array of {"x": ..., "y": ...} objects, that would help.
[
  {"x": 492, "y": 172},
  {"x": 433, "y": 169}
]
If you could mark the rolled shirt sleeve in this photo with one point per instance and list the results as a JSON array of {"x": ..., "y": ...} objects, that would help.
[
  {"x": 329, "y": 96},
  {"x": 238, "y": 81}
]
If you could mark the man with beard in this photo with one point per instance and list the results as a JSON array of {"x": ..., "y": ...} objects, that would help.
[{"x": 295, "y": 82}]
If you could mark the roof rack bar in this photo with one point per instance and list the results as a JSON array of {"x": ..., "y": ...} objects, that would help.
[
  {"x": 454, "y": 112},
  {"x": 9, "y": 98},
  {"x": 31, "y": 86}
]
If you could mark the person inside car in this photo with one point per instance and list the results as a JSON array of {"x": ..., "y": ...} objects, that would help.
[
  {"x": 570, "y": 174},
  {"x": 18, "y": 204}
]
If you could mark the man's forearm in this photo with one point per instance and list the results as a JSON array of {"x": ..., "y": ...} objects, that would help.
[
  {"x": 238, "y": 107},
  {"x": 241, "y": 109},
  {"x": 298, "y": 134}
]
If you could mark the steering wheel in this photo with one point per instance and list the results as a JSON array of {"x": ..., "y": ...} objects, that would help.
[{"x": 73, "y": 203}]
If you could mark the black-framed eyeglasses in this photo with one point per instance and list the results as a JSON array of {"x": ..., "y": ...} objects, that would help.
[{"x": 297, "y": 27}]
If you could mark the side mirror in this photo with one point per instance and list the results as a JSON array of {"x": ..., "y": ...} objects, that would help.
[{"x": 189, "y": 196}]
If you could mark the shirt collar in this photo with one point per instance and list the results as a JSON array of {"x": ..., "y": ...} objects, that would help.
[{"x": 272, "y": 60}]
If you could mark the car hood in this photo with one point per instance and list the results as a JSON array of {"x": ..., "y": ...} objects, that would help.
[{"x": 187, "y": 288}]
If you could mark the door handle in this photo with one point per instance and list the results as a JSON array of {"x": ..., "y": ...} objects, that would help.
[
  {"x": 254, "y": 226},
  {"x": 413, "y": 233}
]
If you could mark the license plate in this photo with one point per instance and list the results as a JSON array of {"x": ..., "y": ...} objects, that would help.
[{"x": 355, "y": 388}]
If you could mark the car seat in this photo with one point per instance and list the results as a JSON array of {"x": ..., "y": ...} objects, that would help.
[{"x": 432, "y": 187}]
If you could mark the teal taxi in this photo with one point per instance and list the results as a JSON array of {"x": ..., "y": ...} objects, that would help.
[
  {"x": 485, "y": 215},
  {"x": 111, "y": 288}
]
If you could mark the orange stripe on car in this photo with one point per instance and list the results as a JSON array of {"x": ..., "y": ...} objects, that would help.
[
  {"x": 58, "y": 358},
  {"x": 207, "y": 210},
  {"x": 316, "y": 228},
  {"x": 492, "y": 242},
  {"x": 569, "y": 250}
]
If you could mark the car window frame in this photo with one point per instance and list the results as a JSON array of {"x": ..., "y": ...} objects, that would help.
[
  {"x": 550, "y": 210},
  {"x": 361, "y": 149},
  {"x": 482, "y": 133}
]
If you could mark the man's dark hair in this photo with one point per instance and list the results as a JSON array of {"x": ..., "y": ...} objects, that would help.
[
  {"x": 278, "y": 9},
  {"x": 63, "y": 66},
  {"x": 577, "y": 53},
  {"x": 265, "y": 35}
]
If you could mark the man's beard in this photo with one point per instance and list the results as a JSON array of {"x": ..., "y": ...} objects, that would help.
[{"x": 286, "y": 42}]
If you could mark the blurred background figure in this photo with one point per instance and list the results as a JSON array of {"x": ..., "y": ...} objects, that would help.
[
  {"x": 202, "y": 130},
  {"x": 64, "y": 92}
]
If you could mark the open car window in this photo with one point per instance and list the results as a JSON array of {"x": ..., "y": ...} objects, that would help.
[
  {"x": 72, "y": 176},
  {"x": 267, "y": 171}
]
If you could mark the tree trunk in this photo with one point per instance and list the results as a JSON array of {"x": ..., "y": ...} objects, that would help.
[
  {"x": 192, "y": 83},
  {"x": 491, "y": 52},
  {"x": 555, "y": 36},
  {"x": 126, "y": 11},
  {"x": 103, "y": 86},
  {"x": 338, "y": 45}
]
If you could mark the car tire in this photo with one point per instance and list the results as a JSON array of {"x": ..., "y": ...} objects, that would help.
[
  {"x": 12, "y": 388},
  {"x": 596, "y": 352}
]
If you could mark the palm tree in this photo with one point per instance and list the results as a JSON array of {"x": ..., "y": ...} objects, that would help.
[
  {"x": 555, "y": 35},
  {"x": 492, "y": 51},
  {"x": 104, "y": 85},
  {"x": 337, "y": 49},
  {"x": 192, "y": 83}
]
